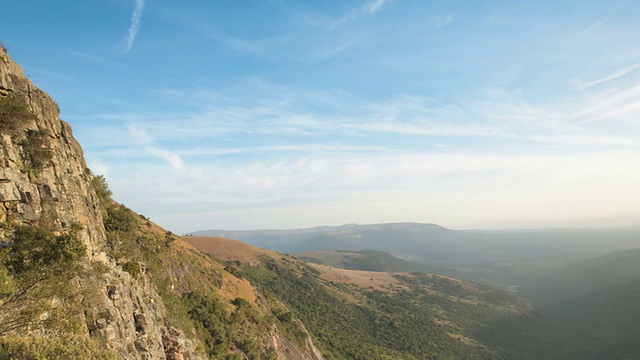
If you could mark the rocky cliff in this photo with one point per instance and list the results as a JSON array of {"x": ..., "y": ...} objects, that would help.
[
  {"x": 128, "y": 294},
  {"x": 127, "y": 315}
]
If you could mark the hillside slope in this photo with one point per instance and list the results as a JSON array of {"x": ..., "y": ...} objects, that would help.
[{"x": 355, "y": 314}]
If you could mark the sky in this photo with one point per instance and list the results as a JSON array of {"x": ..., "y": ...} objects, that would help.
[{"x": 287, "y": 114}]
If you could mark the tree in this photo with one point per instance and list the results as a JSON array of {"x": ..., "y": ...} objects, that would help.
[{"x": 101, "y": 187}]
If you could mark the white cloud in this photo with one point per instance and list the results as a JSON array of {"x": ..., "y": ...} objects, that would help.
[
  {"x": 617, "y": 74},
  {"x": 590, "y": 27},
  {"x": 374, "y": 6},
  {"x": 369, "y": 8},
  {"x": 145, "y": 141},
  {"x": 269, "y": 152},
  {"x": 134, "y": 26},
  {"x": 450, "y": 188}
]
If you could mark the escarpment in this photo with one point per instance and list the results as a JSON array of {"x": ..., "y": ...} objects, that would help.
[
  {"x": 45, "y": 182},
  {"x": 81, "y": 276}
]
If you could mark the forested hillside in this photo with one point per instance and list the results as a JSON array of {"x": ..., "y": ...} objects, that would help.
[{"x": 376, "y": 315}]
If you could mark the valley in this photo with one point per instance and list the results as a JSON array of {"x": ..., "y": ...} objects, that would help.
[{"x": 581, "y": 287}]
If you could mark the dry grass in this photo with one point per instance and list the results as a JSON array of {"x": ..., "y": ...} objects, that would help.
[
  {"x": 233, "y": 287},
  {"x": 229, "y": 250},
  {"x": 364, "y": 279}
]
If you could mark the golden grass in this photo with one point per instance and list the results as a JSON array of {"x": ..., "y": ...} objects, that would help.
[
  {"x": 364, "y": 279},
  {"x": 229, "y": 250}
]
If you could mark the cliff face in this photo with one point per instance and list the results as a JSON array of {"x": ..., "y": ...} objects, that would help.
[
  {"x": 127, "y": 314},
  {"x": 115, "y": 300},
  {"x": 60, "y": 194}
]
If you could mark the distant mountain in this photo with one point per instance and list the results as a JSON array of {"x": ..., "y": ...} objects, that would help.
[{"x": 495, "y": 257}]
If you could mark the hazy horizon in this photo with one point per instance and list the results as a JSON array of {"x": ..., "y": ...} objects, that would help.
[
  {"x": 281, "y": 114},
  {"x": 630, "y": 225}
]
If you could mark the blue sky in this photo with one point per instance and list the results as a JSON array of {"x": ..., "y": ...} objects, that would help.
[{"x": 286, "y": 114}]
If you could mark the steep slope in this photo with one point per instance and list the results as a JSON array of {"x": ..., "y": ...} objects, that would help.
[
  {"x": 83, "y": 277},
  {"x": 45, "y": 183},
  {"x": 354, "y": 314}
]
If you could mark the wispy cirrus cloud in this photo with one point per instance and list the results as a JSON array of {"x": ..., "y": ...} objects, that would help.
[
  {"x": 145, "y": 141},
  {"x": 271, "y": 152},
  {"x": 374, "y": 6},
  {"x": 265, "y": 110},
  {"x": 134, "y": 26},
  {"x": 615, "y": 75},
  {"x": 368, "y": 8},
  {"x": 590, "y": 28}
]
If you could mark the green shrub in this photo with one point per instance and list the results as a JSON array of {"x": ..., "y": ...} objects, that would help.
[
  {"x": 63, "y": 347},
  {"x": 99, "y": 267},
  {"x": 229, "y": 334},
  {"x": 13, "y": 112},
  {"x": 36, "y": 267},
  {"x": 36, "y": 152},
  {"x": 101, "y": 187},
  {"x": 35, "y": 249},
  {"x": 7, "y": 286},
  {"x": 133, "y": 268},
  {"x": 119, "y": 219}
]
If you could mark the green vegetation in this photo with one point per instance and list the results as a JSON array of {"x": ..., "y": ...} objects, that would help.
[
  {"x": 187, "y": 281},
  {"x": 369, "y": 260},
  {"x": 230, "y": 332},
  {"x": 133, "y": 268},
  {"x": 62, "y": 347},
  {"x": 13, "y": 112},
  {"x": 595, "y": 303},
  {"x": 36, "y": 152},
  {"x": 35, "y": 267},
  {"x": 100, "y": 185},
  {"x": 349, "y": 322}
]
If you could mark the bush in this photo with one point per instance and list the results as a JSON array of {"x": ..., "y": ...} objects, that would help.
[
  {"x": 36, "y": 153},
  {"x": 36, "y": 267},
  {"x": 133, "y": 268},
  {"x": 37, "y": 249},
  {"x": 13, "y": 112},
  {"x": 101, "y": 187},
  {"x": 64, "y": 347}
]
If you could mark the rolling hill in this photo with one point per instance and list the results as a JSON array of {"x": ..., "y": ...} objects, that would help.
[
  {"x": 495, "y": 257},
  {"x": 357, "y": 314}
]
